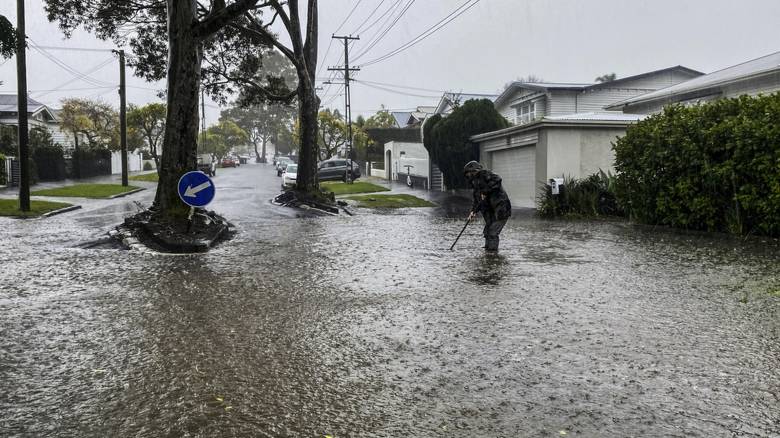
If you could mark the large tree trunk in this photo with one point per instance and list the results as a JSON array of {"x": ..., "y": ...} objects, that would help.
[
  {"x": 179, "y": 154},
  {"x": 307, "y": 161},
  {"x": 262, "y": 159}
]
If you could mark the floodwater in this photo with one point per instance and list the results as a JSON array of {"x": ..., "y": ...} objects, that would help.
[{"x": 368, "y": 326}]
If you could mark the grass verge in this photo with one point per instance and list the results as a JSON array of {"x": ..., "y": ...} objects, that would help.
[
  {"x": 146, "y": 177},
  {"x": 86, "y": 191},
  {"x": 10, "y": 207},
  {"x": 390, "y": 201},
  {"x": 340, "y": 188}
]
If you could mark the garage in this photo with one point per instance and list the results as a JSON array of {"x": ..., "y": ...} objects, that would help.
[{"x": 517, "y": 168}]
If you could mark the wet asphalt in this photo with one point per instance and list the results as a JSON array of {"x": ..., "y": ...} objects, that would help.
[{"x": 368, "y": 326}]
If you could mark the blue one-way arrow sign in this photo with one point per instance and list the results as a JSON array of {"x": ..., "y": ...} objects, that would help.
[{"x": 196, "y": 189}]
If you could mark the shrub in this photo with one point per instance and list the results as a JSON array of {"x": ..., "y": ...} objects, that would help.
[
  {"x": 592, "y": 196},
  {"x": 148, "y": 166},
  {"x": 448, "y": 139},
  {"x": 49, "y": 162},
  {"x": 713, "y": 167}
]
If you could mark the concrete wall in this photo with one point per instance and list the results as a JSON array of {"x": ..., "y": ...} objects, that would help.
[
  {"x": 415, "y": 155},
  {"x": 576, "y": 153}
]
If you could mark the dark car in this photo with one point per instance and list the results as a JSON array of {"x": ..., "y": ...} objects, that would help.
[{"x": 336, "y": 169}]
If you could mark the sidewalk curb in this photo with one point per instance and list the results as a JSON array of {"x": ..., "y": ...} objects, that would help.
[
  {"x": 121, "y": 195},
  {"x": 61, "y": 210}
]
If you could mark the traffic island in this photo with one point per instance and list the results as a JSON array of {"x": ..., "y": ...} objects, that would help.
[
  {"x": 390, "y": 201},
  {"x": 340, "y": 188},
  {"x": 93, "y": 191},
  {"x": 10, "y": 208},
  {"x": 173, "y": 235}
]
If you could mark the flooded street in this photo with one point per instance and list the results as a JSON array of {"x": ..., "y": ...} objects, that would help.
[{"x": 369, "y": 326}]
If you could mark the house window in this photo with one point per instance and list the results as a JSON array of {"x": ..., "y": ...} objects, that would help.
[{"x": 526, "y": 113}]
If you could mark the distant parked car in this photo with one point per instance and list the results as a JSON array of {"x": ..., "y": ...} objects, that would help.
[
  {"x": 289, "y": 175},
  {"x": 336, "y": 169},
  {"x": 207, "y": 164},
  {"x": 281, "y": 163},
  {"x": 228, "y": 162}
]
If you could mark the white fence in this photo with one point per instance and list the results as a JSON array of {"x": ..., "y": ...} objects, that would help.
[
  {"x": 134, "y": 162},
  {"x": 378, "y": 172}
]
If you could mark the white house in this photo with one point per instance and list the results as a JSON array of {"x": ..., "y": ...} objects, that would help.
[
  {"x": 38, "y": 115},
  {"x": 562, "y": 129},
  {"x": 407, "y": 158},
  {"x": 759, "y": 76}
]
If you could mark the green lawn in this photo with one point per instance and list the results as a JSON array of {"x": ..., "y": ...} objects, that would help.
[
  {"x": 340, "y": 188},
  {"x": 10, "y": 207},
  {"x": 86, "y": 191},
  {"x": 390, "y": 201},
  {"x": 148, "y": 177}
]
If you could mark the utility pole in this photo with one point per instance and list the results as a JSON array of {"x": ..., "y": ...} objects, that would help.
[
  {"x": 122, "y": 114},
  {"x": 203, "y": 119},
  {"x": 24, "y": 137},
  {"x": 347, "y": 100}
]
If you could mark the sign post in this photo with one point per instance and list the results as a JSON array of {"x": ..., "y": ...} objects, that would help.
[{"x": 196, "y": 190}]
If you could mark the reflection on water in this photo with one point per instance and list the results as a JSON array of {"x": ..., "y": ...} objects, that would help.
[{"x": 369, "y": 326}]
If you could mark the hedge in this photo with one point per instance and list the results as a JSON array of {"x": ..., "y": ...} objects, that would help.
[{"x": 713, "y": 167}]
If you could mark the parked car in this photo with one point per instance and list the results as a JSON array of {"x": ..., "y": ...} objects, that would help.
[
  {"x": 336, "y": 169},
  {"x": 228, "y": 162},
  {"x": 207, "y": 164},
  {"x": 281, "y": 163},
  {"x": 289, "y": 175}
]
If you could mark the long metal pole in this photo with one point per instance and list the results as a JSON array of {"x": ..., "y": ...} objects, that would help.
[
  {"x": 24, "y": 138},
  {"x": 123, "y": 115}
]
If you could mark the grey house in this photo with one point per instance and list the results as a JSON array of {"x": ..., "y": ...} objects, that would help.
[
  {"x": 759, "y": 76},
  {"x": 563, "y": 129}
]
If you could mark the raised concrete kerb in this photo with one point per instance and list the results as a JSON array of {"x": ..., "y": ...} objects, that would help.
[
  {"x": 120, "y": 195},
  {"x": 61, "y": 210}
]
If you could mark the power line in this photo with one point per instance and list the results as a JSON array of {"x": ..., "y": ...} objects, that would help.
[
  {"x": 399, "y": 92},
  {"x": 357, "y": 31},
  {"x": 78, "y": 78},
  {"x": 400, "y": 86},
  {"x": 384, "y": 14},
  {"x": 348, "y": 15},
  {"x": 460, "y": 10},
  {"x": 325, "y": 57},
  {"x": 387, "y": 30},
  {"x": 69, "y": 69},
  {"x": 75, "y": 49}
]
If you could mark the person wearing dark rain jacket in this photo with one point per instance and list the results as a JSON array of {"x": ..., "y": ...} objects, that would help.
[{"x": 490, "y": 199}]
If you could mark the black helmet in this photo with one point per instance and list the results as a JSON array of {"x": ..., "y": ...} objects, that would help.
[{"x": 472, "y": 166}]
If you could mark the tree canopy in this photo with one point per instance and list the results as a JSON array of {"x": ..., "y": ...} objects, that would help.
[
  {"x": 7, "y": 38},
  {"x": 223, "y": 137},
  {"x": 448, "y": 139},
  {"x": 94, "y": 119},
  {"x": 609, "y": 77},
  {"x": 148, "y": 123}
]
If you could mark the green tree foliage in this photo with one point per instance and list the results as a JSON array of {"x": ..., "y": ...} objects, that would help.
[
  {"x": 147, "y": 123},
  {"x": 97, "y": 121},
  {"x": 447, "y": 139},
  {"x": 606, "y": 78},
  {"x": 8, "y": 140},
  {"x": 712, "y": 167},
  {"x": 7, "y": 38},
  {"x": 224, "y": 137},
  {"x": 263, "y": 122},
  {"x": 333, "y": 133}
]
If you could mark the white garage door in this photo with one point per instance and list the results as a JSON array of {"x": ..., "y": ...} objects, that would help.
[{"x": 517, "y": 168}]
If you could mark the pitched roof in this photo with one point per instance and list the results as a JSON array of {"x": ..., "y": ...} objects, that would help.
[
  {"x": 8, "y": 103},
  {"x": 539, "y": 86},
  {"x": 766, "y": 64},
  {"x": 450, "y": 98},
  {"x": 612, "y": 116},
  {"x": 678, "y": 68}
]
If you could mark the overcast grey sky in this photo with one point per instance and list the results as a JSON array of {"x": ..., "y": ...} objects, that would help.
[{"x": 492, "y": 43}]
